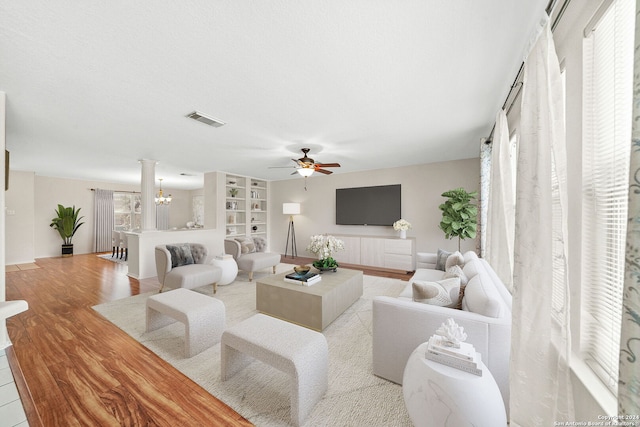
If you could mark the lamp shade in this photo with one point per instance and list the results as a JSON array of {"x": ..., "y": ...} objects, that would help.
[
  {"x": 305, "y": 171},
  {"x": 291, "y": 208}
]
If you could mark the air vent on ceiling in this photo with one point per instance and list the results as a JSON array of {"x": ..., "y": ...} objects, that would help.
[{"x": 205, "y": 119}]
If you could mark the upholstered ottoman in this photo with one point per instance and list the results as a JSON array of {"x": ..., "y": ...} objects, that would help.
[
  {"x": 203, "y": 317},
  {"x": 301, "y": 353}
]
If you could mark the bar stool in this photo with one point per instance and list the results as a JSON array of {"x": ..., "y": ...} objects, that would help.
[
  {"x": 115, "y": 243},
  {"x": 124, "y": 248}
]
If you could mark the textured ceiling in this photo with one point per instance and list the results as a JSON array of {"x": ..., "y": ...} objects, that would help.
[{"x": 94, "y": 86}]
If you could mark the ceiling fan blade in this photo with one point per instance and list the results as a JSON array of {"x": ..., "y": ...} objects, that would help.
[
  {"x": 328, "y": 165},
  {"x": 281, "y": 167},
  {"x": 294, "y": 172},
  {"x": 324, "y": 171}
]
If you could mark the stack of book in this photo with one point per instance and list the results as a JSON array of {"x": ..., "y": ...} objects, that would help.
[
  {"x": 306, "y": 279},
  {"x": 464, "y": 358}
]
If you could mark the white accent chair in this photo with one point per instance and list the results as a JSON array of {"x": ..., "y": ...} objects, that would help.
[
  {"x": 190, "y": 276},
  {"x": 252, "y": 261}
]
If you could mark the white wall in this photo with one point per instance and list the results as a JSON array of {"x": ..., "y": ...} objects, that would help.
[
  {"x": 35, "y": 198},
  {"x": 19, "y": 218},
  {"x": 422, "y": 187}
]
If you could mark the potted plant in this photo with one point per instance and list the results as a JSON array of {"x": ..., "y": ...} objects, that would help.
[
  {"x": 459, "y": 215},
  {"x": 66, "y": 224},
  {"x": 324, "y": 246}
]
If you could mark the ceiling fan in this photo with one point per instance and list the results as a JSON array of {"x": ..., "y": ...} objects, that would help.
[{"x": 306, "y": 166}]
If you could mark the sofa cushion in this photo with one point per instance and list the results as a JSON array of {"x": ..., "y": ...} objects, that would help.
[
  {"x": 455, "y": 258},
  {"x": 472, "y": 268},
  {"x": 247, "y": 246},
  {"x": 469, "y": 255},
  {"x": 482, "y": 297},
  {"x": 180, "y": 255},
  {"x": 441, "y": 259},
  {"x": 443, "y": 293}
]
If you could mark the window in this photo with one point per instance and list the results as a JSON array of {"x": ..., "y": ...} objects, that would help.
[
  {"x": 607, "y": 90},
  {"x": 127, "y": 211}
]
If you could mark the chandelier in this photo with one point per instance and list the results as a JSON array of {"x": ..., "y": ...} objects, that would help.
[{"x": 160, "y": 198}]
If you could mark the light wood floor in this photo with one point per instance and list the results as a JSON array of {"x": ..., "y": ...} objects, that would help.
[{"x": 81, "y": 370}]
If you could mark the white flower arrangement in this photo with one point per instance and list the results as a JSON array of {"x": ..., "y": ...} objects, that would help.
[
  {"x": 401, "y": 224},
  {"x": 324, "y": 245}
]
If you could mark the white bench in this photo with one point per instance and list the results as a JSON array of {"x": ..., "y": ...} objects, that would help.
[
  {"x": 301, "y": 353},
  {"x": 203, "y": 317}
]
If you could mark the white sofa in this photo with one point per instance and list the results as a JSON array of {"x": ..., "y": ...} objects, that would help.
[{"x": 400, "y": 324}]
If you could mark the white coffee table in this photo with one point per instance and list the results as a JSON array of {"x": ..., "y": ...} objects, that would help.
[{"x": 437, "y": 395}]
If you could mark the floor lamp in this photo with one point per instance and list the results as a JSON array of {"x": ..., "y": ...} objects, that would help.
[{"x": 291, "y": 209}]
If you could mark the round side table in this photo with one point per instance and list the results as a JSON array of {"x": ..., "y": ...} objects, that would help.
[
  {"x": 229, "y": 270},
  {"x": 437, "y": 395}
]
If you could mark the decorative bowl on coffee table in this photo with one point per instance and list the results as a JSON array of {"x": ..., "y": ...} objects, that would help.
[{"x": 301, "y": 269}]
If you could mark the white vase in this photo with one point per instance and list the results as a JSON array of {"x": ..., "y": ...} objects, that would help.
[{"x": 403, "y": 234}]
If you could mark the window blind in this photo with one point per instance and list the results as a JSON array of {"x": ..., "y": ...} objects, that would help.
[{"x": 607, "y": 106}]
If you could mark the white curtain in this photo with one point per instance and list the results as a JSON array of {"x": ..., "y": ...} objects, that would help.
[
  {"x": 500, "y": 225},
  {"x": 485, "y": 176},
  {"x": 103, "y": 219},
  {"x": 629, "y": 373},
  {"x": 162, "y": 217},
  {"x": 540, "y": 342}
]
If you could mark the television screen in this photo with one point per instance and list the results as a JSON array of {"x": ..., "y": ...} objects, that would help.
[{"x": 378, "y": 205}]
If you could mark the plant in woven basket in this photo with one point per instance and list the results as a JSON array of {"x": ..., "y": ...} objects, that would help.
[{"x": 459, "y": 215}]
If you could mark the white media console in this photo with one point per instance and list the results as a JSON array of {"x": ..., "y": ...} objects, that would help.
[{"x": 390, "y": 253}]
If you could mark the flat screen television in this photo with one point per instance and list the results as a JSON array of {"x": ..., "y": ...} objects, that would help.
[{"x": 379, "y": 205}]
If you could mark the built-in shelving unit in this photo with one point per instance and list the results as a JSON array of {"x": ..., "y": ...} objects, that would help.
[
  {"x": 258, "y": 207},
  {"x": 246, "y": 206},
  {"x": 235, "y": 205}
]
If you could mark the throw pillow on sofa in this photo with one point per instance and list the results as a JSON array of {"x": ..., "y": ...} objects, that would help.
[
  {"x": 180, "y": 255},
  {"x": 247, "y": 246},
  {"x": 455, "y": 258},
  {"x": 441, "y": 259},
  {"x": 456, "y": 271},
  {"x": 443, "y": 293}
]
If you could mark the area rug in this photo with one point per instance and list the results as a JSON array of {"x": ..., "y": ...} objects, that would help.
[
  {"x": 259, "y": 392},
  {"x": 115, "y": 259}
]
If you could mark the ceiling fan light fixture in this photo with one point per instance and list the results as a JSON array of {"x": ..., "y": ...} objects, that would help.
[
  {"x": 305, "y": 171},
  {"x": 207, "y": 120}
]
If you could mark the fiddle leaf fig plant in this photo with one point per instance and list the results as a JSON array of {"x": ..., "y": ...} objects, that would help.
[
  {"x": 66, "y": 223},
  {"x": 459, "y": 215}
]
